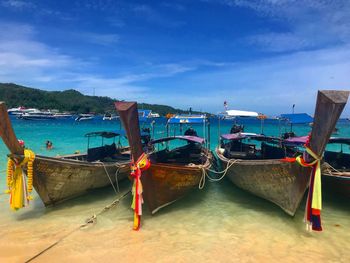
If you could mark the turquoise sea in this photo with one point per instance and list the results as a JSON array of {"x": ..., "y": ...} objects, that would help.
[{"x": 218, "y": 223}]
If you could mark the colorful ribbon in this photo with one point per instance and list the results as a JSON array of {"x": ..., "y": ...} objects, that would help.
[
  {"x": 16, "y": 180},
  {"x": 141, "y": 164},
  {"x": 314, "y": 199}
]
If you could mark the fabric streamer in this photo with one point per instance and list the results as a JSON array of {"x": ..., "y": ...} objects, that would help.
[
  {"x": 141, "y": 164},
  {"x": 314, "y": 199},
  {"x": 18, "y": 188}
]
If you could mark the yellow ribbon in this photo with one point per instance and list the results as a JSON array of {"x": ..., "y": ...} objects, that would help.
[
  {"x": 20, "y": 193},
  {"x": 317, "y": 188}
]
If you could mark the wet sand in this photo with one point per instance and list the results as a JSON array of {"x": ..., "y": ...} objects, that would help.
[{"x": 219, "y": 223}]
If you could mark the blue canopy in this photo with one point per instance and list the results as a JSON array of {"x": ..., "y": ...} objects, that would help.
[
  {"x": 144, "y": 113},
  {"x": 187, "y": 119},
  {"x": 297, "y": 118}
]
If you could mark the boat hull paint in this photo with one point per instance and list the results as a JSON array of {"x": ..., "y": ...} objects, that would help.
[
  {"x": 279, "y": 182},
  {"x": 57, "y": 180},
  {"x": 163, "y": 183}
]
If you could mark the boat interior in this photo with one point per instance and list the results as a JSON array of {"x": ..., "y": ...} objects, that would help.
[
  {"x": 255, "y": 150},
  {"x": 190, "y": 153},
  {"x": 338, "y": 160},
  {"x": 105, "y": 153}
]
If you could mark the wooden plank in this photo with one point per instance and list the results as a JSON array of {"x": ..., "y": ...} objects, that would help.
[
  {"x": 329, "y": 106},
  {"x": 6, "y": 132}
]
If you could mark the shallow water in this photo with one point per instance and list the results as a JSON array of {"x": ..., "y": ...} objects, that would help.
[{"x": 218, "y": 223}]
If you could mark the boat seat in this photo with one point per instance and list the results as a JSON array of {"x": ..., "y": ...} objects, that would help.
[
  {"x": 272, "y": 152},
  {"x": 99, "y": 153}
]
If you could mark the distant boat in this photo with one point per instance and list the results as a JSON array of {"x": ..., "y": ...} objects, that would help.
[
  {"x": 109, "y": 117},
  {"x": 62, "y": 115},
  {"x": 16, "y": 111},
  {"x": 37, "y": 115},
  {"x": 233, "y": 114},
  {"x": 154, "y": 115},
  {"x": 85, "y": 117},
  {"x": 147, "y": 114}
]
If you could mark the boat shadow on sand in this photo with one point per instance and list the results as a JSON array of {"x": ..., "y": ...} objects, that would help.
[{"x": 92, "y": 202}]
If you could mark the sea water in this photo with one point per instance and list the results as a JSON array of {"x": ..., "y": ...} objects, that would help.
[{"x": 215, "y": 224}]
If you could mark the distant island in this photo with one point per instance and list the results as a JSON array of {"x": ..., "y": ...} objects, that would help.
[{"x": 67, "y": 101}]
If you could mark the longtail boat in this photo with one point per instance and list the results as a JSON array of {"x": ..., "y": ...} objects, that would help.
[
  {"x": 60, "y": 178},
  {"x": 172, "y": 173},
  {"x": 335, "y": 166},
  {"x": 263, "y": 170}
]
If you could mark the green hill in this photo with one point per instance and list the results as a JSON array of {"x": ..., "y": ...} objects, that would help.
[{"x": 69, "y": 100}]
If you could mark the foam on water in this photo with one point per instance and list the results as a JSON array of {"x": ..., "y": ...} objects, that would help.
[{"x": 218, "y": 223}]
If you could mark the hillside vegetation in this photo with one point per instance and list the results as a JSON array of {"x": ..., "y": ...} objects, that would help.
[{"x": 69, "y": 100}]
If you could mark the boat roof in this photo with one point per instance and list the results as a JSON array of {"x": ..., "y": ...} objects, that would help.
[
  {"x": 185, "y": 137},
  {"x": 145, "y": 112},
  {"x": 111, "y": 134},
  {"x": 301, "y": 140},
  {"x": 245, "y": 135},
  {"x": 297, "y": 118},
  {"x": 188, "y": 119},
  {"x": 104, "y": 134},
  {"x": 339, "y": 140},
  {"x": 241, "y": 113}
]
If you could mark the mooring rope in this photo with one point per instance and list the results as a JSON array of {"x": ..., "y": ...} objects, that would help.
[
  {"x": 330, "y": 170},
  {"x": 91, "y": 220},
  {"x": 205, "y": 172},
  {"x": 109, "y": 177},
  {"x": 116, "y": 177}
]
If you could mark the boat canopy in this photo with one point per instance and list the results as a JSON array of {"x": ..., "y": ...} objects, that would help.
[
  {"x": 187, "y": 119},
  {"x": 144, "y": 113},
  {"x": 104, "y": 134},
  {"x": 186, "y": 138},
  {"x": 297, "y": 118},
  {"x": 241, "y": 113},
  {"x": 339, "y": 140},
  {"x": 246, "y": 135},
  {"x": 111, "y": 134},
  {"x": 302, "y": 140}
]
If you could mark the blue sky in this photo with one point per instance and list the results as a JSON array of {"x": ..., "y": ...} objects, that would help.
[{"x": 257, "y": 55}]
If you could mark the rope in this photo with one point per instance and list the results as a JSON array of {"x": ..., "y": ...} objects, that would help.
[
  {"x": 115, "y": 190},
  {"x": 330, "y": 170},
  {"x": 206, "y": 174},
  {"x": 91, "y": 220},
  {"x": 116, "y": 178}
]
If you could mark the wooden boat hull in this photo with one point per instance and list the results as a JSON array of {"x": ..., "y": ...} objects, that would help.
[
  {"x": 279, "y": 182},
  {"x": 336, "y": 173},
  {"x": 57, "y": 180},
  {"x": 339, "y": 184},
  {"x": 163, "y": 183}
]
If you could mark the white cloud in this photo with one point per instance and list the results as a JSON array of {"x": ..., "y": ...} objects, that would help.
[
  {"x": 269, "y": 85},
  {"x": 309, "y": 23},
  {"x": 17, "y": 4}
]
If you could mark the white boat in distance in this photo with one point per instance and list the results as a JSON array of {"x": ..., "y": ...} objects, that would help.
[
  {"x": 35, "y": 115},
  {"x": 63, "y": 115},
  {"x": 233, "y": 114},
  {"x": 109, "y": 117},
  {"x": 85, "y": 117}
]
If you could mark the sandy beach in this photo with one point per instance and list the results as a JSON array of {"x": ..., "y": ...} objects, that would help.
[{"x": 221, "y": 223}]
